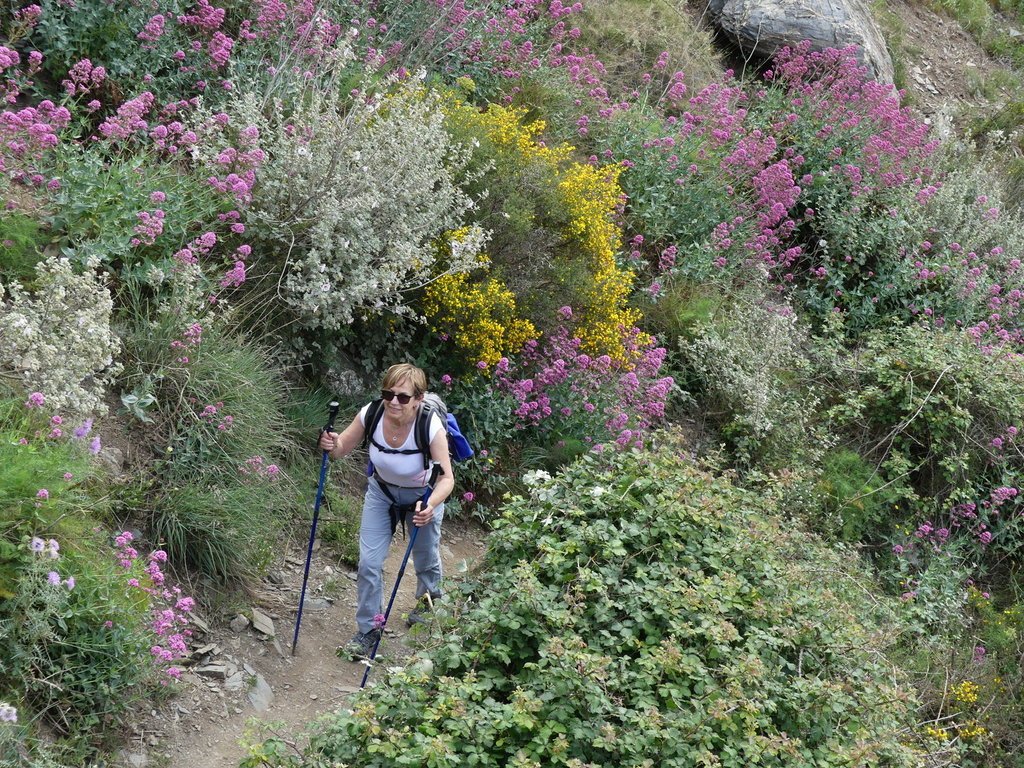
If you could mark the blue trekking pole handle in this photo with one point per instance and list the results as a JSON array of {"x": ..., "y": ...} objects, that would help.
[
  {"x": 394, "y": 592},
  {"x": 329, "y": 427}
]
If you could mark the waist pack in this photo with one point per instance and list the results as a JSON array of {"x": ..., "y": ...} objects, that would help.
[{"x": 398, "y": 513}]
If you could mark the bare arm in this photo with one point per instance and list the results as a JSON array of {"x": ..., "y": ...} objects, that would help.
[
  {"x": 339, "y": 445},
  {"x": 445, "y": 482}
]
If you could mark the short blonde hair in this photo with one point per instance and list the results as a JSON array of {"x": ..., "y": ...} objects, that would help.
[{"x": 400, "y": 372}]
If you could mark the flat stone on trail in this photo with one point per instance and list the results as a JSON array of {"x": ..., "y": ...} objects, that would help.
[
  {"x": 240, "y": 623},
  {"x": 218, "y": 671},
  {"x": 260, "y": 695},
  {"x": 199, "y": 623},
  {"x": 316, "y": 604},
  {"x": 263, "y": 623},
  {"x": 235, "y": 682}
]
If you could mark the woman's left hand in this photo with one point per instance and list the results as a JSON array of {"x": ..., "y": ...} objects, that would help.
[{"x": 423, "y": 515}]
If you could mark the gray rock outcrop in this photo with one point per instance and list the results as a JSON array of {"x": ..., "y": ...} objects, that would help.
[{"x": 765, "y": 26}]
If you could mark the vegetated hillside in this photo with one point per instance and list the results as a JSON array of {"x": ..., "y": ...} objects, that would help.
[{"x": 220, "y": 217}]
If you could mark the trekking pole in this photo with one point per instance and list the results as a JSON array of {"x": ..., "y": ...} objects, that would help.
[
  {"x": 394, "y": 592},
  {"x": 329, "y": 427}
]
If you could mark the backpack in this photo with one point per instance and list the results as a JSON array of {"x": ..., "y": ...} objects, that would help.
[{"x": 458, "y": 446}]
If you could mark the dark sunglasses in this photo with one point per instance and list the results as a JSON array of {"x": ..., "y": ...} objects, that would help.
[{"x": 388, "y": 395}]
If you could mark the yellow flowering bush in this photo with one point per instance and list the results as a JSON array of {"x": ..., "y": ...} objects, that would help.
[
  {"x": 480, "y": 318},
  {"x": 965, "y": 692},
  {"x": 553, "y": 202}
]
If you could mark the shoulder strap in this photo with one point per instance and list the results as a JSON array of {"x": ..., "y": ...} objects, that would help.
[
  {"x": 423, "y": 432},
  {"x": 373, "y": 415}
]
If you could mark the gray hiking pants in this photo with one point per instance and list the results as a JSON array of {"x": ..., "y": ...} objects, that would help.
[{"x": 374, "y": 541}]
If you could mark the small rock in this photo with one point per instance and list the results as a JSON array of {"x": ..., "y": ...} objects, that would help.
[
  {"x": 206, "y": 650},
  {"x": 240, "y": 623},
  {"x": 235, "y": 682},
  {"x": 350, "y": 575},
  {"x": 152, "y": 740},
  {"x": 217, "y": 671},
  {"x": 112, "y": 458},
  {"x": 316, "y": 604},
  {"x": 237, "y": 711},
  {"x": 275, "y": 577},
  {"x": 314, "y": 696},
  {"x": 199, "y": 623},
  {"x": 328, "y": 570},
  {"x": 260, "y": 695},
  {"x": 249, "y": 670},
  {"x": 263, "y": 623}
]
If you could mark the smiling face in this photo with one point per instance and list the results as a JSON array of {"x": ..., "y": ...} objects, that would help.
[{"x": 402, "y": 390}]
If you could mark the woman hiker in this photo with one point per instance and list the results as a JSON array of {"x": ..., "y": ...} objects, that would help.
[{"x": 399, "y": 479}]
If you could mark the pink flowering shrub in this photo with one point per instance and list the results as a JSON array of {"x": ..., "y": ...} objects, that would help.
[
  {"x": 76, "y": 615},
  {"x": 570, "y": 397}
]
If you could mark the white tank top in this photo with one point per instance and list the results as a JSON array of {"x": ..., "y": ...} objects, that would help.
[{"x": 402, "y": 469}]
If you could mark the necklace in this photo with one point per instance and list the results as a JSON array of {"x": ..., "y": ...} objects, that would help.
[{"x": 395, "y": 437}]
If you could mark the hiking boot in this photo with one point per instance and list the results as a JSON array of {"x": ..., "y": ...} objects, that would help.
[
  {"x": 360, "y": 646},
  {"x": 418, "y": 615}
]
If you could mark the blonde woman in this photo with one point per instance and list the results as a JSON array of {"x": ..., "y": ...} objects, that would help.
[{"x": 400, "y": 479}]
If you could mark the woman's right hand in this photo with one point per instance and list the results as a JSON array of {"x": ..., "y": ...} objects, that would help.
[{"x": 328, "y": 441}]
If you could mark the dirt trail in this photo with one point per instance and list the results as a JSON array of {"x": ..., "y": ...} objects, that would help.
[{"x": 240, "y": 673}]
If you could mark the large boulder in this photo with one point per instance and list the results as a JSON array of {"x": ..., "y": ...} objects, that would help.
[{"x": 765, "y": 26}]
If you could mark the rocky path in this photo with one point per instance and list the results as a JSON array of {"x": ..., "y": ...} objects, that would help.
[{"x": 243, "y": 674}]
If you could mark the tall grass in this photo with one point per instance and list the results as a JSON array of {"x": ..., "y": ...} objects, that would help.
[{"x": 218, "y": 423}]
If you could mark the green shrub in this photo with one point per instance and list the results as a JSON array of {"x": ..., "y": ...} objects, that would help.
[
  {"x": 71, "y": 673},
  {"x": 857, "y": 503},
  {"x": 637, "y": 611},
  {"x": 97, "y": 207},
  {"x": 21, "y": 242},
  {"x": 931, "y": 409},
  {"x": 682, "y": 309}
]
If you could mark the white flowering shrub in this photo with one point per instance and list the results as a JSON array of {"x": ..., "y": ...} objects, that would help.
[
  {"x": 352, "y": 201},
  {"x": 748, "y": 363},
  {"x": 57, "y": 338}
]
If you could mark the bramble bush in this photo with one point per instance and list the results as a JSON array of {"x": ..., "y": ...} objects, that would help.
[
  {"x": 935, "y": 416},
  {"x": 637, "y": 610}
]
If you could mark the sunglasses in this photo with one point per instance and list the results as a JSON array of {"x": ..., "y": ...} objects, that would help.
[{"x": 388, "y": 395}]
